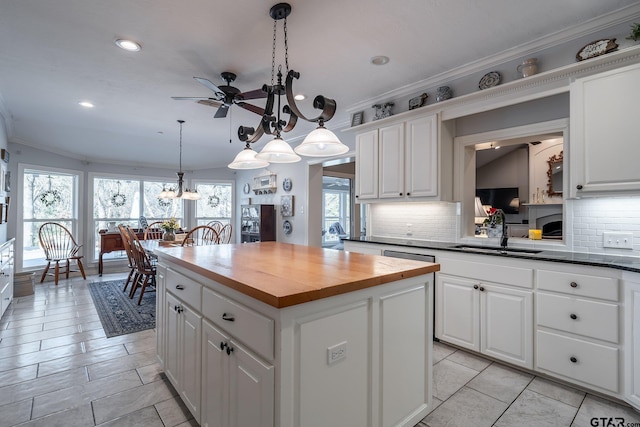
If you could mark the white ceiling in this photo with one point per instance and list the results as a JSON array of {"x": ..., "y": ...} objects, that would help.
[{"x": 54, "y": 54}]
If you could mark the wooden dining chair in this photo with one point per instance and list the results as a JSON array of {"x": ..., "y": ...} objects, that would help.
[
  {"x": 145, "y": 267},
  {"x": 216, "y": 225},
  {"x": 153, "y": 231},
  {"x": 59, "y": 245},
  {"x": 225, "y": 233},
  {"x": 201, "y": 235},
  {"x": 126, "y": 243}
]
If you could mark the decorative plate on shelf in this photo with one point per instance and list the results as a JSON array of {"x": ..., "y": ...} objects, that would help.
[
  {"x": 287, "y": 227},
  {"x": 490, "y": 79},
  {"x": 596, "y": 48}
]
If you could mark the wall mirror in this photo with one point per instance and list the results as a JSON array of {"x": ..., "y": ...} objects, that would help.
[{"x": 554, "y": 175}]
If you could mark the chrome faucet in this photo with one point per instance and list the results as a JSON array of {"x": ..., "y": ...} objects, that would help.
[{"x": 505, "y": 237}]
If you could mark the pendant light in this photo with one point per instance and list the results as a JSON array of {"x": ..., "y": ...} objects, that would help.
[
  {"x": 246, "y": 159},
  {"x": 321, "y": 142},
  {"x": 180, "y": 193}
]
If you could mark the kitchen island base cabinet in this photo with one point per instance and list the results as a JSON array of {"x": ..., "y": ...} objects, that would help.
[
  {"x": 362, "y": 358},
  {"x": 632, "y": 356}
]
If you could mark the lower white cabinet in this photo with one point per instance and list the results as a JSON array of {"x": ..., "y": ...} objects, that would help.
[
  {"x": 6, "y": 275},
  {"x": 493, "y": 319},
  {"x": 237, "y": 387},
  {"x": 632, "y": 359},
  {"x": 182, "y": 360}
]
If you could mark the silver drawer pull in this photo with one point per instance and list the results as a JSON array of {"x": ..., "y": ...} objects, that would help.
[
  {"x": 573, "y": 359},
  {"x": 573, "y": 316},
  {"x": 228, "y": 317},
  {"x": 180, "y": 287}
]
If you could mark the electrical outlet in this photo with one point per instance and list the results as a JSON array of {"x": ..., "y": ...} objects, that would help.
[
  {"x": 336, "y": 352},
  {"x": 620, "y": 240},
  {"x": 409, "y": 229}
]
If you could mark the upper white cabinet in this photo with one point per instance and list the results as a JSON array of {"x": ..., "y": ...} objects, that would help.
[
  {"x": 399, "y": 161},
  {"x": 604, "y": 132}
]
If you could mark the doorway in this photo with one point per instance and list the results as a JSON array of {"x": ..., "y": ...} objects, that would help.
[{"x": 340, "y": 218}]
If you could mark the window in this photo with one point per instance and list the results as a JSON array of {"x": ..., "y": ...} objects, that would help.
[
  {"x": 47, "y": 195},
  {"x": 336, "y": 214},
  {"x": 215, "y": 204},
  {"x": 123, "y": 200}
]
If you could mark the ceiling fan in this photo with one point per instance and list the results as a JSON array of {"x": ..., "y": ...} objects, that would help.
[{"x": 226, "y": 95}]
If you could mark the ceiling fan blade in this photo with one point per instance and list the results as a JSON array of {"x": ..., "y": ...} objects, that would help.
[
  {"x": 253, "y": 94},
  {"x": 210, "y": 103},
  {"x": 259, "y": 111},
  {"x": 222, "y": 111},
  {"x": 191, "y": 98},
  {"x": 210, "y": 85}
]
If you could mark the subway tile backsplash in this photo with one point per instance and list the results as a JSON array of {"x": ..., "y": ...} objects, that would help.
[{"x": 585, "y": 221}]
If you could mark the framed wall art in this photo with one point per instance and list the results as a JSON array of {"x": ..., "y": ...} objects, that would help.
[
  {"x": 286, "y": 206},
  {"x": 356, "y": 119}
]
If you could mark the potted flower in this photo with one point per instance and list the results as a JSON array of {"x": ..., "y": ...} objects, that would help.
[
  {"x": 492, "y": 221},
  {"x": 170, "y": 226},
  {"x": 635, "y": 32}
]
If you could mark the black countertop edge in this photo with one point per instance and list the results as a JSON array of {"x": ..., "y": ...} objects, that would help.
[{"x": 597, "y": 260}]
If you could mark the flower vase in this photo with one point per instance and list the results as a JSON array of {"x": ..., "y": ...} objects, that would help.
[{"x": 169, "y": 236}]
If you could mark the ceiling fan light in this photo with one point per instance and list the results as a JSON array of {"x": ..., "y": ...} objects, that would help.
[
  {"x": 321, "y": 142},
  {"x": 246, "y": 159},
  {"x": 278, "y": 151}
]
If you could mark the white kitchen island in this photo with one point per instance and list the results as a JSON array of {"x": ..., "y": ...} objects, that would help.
[{"x": 273, "y": 334}]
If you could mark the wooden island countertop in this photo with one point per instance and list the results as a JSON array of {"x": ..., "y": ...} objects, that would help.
[{"x": 283, "y": 274}]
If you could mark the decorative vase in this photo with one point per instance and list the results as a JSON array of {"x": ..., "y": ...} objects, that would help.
[
  {"x": 444, "y": 92},
  {"x": 529, "y": 67},
  {"x": 169, "y": 236}
]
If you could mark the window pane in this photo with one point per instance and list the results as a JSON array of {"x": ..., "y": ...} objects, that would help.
[
  {"x": 114, "y": 198},
  {"x": 155, "y": 208},
  {"x": 48, "y": 195},
  {"x": 215, "y": 203}
]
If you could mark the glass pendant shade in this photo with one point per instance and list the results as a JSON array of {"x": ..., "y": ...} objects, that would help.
[
  {"x": 246, "y": 159},
  {"x": 278, "y": 151},
  {"x": 321, "y": 142}
]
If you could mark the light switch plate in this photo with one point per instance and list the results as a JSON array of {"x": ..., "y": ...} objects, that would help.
[{"x": 616, "y": 239}]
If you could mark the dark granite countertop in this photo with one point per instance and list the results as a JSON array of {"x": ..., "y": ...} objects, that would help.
[{"x": 596, "y": 260}]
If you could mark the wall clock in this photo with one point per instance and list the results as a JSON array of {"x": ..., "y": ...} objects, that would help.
[
  {"x": 246, "y": 189},
  {"x": 287, "y": 185}
]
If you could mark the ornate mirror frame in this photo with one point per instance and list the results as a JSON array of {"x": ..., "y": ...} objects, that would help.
[{"x": 553, "y": 160}]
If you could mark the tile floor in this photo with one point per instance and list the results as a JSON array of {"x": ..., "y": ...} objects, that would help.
[{"x": 57, "y": 368}]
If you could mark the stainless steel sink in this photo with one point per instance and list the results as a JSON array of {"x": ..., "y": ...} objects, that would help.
[{"x": 496, "y": 249}]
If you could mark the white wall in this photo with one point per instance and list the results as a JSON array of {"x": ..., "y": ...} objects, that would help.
[{"x": 4, "y": 234}]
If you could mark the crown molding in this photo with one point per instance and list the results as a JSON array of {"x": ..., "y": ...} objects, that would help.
[{"x": 551, "y": 40}]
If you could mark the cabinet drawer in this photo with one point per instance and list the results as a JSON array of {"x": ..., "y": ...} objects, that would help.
[
  {"x": 595, "y": 364},
  {"x": 6, "y": 295},
  {"x": 184, "y": 288},
  {"x": 589, "y": 318},
  {"x": 578, "y": 284},
  {"x": 254, "y": 329},
  {"x": 480, "y": 271}
]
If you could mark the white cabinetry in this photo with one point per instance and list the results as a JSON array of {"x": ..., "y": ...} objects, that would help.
[
  {"x": 398, "y": 161},
  {"x": 577, "y": 327},
  {"x": 493, "y": 319},
  {"x": 632, "y": 357},
  {"x": 604, "y": 132},
  {"x": 6, "y": 275}
]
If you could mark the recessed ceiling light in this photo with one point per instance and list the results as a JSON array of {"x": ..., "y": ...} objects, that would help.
[
  {"x": 300, "y": 97},
  {"x": 379, "y": 60},
  {"x": 86, "y": 104},
  {"x": 129, "y": 45}
]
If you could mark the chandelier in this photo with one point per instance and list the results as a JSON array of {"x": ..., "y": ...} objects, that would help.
[
  {"x": 321, "y": 142},
  {"x": 180, "y": 193}
]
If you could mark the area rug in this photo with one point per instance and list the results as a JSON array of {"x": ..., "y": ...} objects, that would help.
[{"x": 118, "y": 313}]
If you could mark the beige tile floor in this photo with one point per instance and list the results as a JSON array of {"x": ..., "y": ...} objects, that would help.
[{"x": 57, "y": 368}]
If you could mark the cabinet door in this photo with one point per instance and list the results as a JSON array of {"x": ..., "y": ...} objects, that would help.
[
  {"x": 190, "y": 356},
  {"x": 391, "y": 161},
  {"x": 171, "y": 326},
  {"x": 507, "y": 324},
  {"x": 421, "y": 145},
  {"x": 458, "y": 311},
  {"x": 367, "y": 165},
  {"x": 632, "y": 356},
  {"x": 251, "y": 389},
  {"x": 604, "y": 132},
  {"x": 404, "y": 359},
  {"x": 160, "y": 316},
  {"x": 215, "y": 377}
]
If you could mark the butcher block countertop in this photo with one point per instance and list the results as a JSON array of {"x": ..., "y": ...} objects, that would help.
[{"x": 282, "y": 274}]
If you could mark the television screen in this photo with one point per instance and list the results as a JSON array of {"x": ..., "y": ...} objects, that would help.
[{"x": 500, "y": 198}]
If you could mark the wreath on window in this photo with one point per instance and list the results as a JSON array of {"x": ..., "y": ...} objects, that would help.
[
  {"x": 118, "y": 200},
  {"x": 50, "y": 197},
  {"x": 213, "y": 201},
  {"x": 165, "y": 203}
]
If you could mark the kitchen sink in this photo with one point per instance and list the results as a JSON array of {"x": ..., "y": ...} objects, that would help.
[{"x": 496, "y": 249}]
